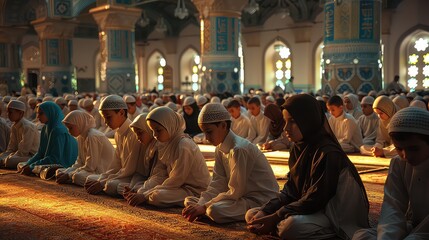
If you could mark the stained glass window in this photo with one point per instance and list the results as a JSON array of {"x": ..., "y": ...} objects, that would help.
[
  {"x": 418, "y": 63},
  {"x": 282, "y": 64}
]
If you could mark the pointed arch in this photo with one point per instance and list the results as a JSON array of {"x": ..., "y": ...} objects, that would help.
[
  {"x": 186, "y": 66},
  {"x": 277, "y": 64}
]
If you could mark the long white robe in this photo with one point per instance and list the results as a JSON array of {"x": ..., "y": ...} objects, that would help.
[
  {"x": 347, "y": 131},
  {"x": 261, "y": 125},
  {"x": 23, "y": 143},
  {"x": 184, "y": 174},
  {"x": 405, "y": 209},
  {"x": 95, "y": 155},
  {"x": 242, "y": 127},
  {"x": 124, "y": 163},
  {"x": 242, "y": 179},
  {"x": 368, "y": 126}
]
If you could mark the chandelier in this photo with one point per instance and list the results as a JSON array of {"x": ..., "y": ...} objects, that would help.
[
  {"x": 181, "y": 11},
  {"x": 251, "y": 7}
]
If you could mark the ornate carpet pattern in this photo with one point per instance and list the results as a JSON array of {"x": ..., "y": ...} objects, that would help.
[{"x": 31, "y": 208}]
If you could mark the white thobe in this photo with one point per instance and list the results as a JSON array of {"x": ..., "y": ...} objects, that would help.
[
  {"x": 242, "y": 179},
  {"x": 23, "y": 143},
  {"x": 368, "y": 126},
  {"x": 261, "y": 124},
  {"x": 242, "y": 127},
  {"x": 347, "y": 131},
  {"x": 125, "y": 161}
]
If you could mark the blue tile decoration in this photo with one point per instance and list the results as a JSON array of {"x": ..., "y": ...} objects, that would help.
[
  {"x": 344, "y": 87},
  {"x": 366, "y": 73}
]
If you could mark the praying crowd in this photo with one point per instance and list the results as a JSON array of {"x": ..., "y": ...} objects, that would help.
[{"x": 156, "y": 159}]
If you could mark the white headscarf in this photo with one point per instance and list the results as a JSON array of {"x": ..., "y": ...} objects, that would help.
[
  {"x": 175, "y": 125},
  {"x": 83, "y": 120}
]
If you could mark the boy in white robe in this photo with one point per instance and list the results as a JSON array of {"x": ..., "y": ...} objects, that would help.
[
  {"x": 259, "y": 122},
  {"x": 240, "y": 123},
  {"x": 242, "y": 176},
  {"x": 368, "y": 122},
  {"x": 24, "y": 137},
  {"x": 95, "y": 155},
  {"x": 405, "y": 209},
  {"x": 344, "y": 126},
  {"x": 181, "y": 169},
  {"x": 133, "y": 110},
  {"x": 114, "y": 112}
]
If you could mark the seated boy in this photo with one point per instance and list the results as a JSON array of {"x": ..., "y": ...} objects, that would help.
[
  {"x": 259, "y": 122},
  {"x": 114, "y": 112},
  {"x": 24, "y": 137},
  {"x": 405, "y": 209},
  {"x": 344, "y": 126},
  {"x": 242, "y": 176},
  {"x": 368, "y": 122},
  {"x": 240, "y": 124}
]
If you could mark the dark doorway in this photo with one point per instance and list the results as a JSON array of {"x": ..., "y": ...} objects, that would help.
[{"x": 32, "y": 76}]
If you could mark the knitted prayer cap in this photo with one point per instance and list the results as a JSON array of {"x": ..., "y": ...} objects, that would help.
[
  {"x": 212, "y": 113},
  {"x": 410, "y": 119},
  {"x": 129, "y": 99},
  {"x": 418, "y": 103},
  {"x": 188, "y": 101},
  {"x": 72, "y": 103},
  {"x": 113, "y": 102},
  {"x": 15, "y": 104},
  {"x": 201, "y": 100},
  {"x": 367, "y": 100},
  {"x": 87, "y": 103},
  {"x": 172, "y": 105}
]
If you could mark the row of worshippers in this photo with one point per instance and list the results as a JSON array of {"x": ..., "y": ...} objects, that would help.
[
  {"x": 156, "y": 163},
  {"x": 362, "y": 127}
]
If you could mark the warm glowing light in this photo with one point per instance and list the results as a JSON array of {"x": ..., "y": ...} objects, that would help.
[
  {"x": 284, "y": 52},
  {"x": 426, "y": 83},
  {"x": 288, "y": 64},
  {"x": 194, "y": 78},
  {"x": 162, "y": 62},
  {"x": 160, "y": 79},
  {"x": 160, "y": 71},
  {"x": 413, "y": 71},
  {"x": 279, "y": 74},
  {"x": 426, "y": 58},
  {"x": 195, "y": 69},
  {"x": 413, "y": 59},
  {"x": 412, "y": 83},
  {"x": 197, "y": 60},
  {"x": 421, "y": 44},
  {"x": 426, "y": 70},
  {"x": 279, "y": 64}
]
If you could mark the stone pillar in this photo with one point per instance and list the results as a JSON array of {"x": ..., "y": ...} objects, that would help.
[
  {"x": 117, "y": 47},
  {"x": 352, "y": 50},
  {"x": 10, "y": 58},
  {"x": 56, "y": 45},
  {"x": 220, "y": 33}
]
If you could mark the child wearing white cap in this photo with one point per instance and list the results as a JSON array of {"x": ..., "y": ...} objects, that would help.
[
  {"x": 180, "y": 170},
  {"x": 405, "y": 209},
  {"x": 95, "y": 152},
  {"x": 242, "y": 176},
  {"x": 133, "y": 110},
  {"x": 368, "y": 122},
  {"x": 24, "y": 137},
  {"x": 127, "y": 154}
]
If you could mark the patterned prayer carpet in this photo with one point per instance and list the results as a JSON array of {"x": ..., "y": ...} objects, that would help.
[{"x": 31, "y": 208}]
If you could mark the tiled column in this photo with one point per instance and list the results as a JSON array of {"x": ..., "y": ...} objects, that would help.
[
  {"x": 352, "y": 49},
  {"x": 220, "y": 33},
  {"x": 55, "y": 39},
  {"x": 117, "y": 47}
]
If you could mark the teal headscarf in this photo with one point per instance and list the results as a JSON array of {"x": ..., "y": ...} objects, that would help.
[{"x": 57, "y": 146}]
